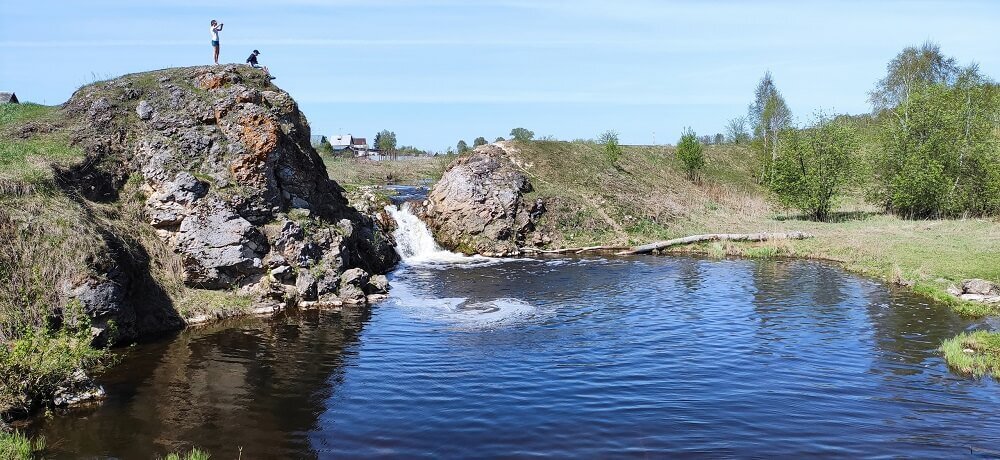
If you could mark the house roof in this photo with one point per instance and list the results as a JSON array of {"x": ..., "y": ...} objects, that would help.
[
  {"x": 341, "y": 141},
  {"x": 359, "y": 141},
  {"x": 6, "y": 97}
]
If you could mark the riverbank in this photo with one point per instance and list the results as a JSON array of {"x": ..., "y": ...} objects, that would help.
[
  {"x": 644, "y": 196},
  {"x": 157, "y": 200}
]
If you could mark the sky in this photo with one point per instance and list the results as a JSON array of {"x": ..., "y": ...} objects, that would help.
[{"x": 436, "y": 71}]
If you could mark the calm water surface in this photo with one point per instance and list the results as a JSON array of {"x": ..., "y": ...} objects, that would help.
[{"x": 567, "y": 357}]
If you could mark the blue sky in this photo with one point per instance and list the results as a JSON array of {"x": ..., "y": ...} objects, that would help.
[{"x": 436, "y": 71}]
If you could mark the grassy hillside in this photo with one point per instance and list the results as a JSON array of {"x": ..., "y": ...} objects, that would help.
[
  {"x": 645, "y": 197},
  {"x": 351, "y": 172}
]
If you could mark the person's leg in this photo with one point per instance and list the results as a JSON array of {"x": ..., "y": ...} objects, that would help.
[{"x": 216, "y": 53}]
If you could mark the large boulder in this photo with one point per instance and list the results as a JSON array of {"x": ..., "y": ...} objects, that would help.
[
  {"x": 479, "y": 207},
  {"x": 230, "y": 183}
]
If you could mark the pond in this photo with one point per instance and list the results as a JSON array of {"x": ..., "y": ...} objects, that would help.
[{"x": 581, "y": 357}]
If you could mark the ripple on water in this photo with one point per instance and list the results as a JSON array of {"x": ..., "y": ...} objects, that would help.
[{"x": 574, "y": 357}]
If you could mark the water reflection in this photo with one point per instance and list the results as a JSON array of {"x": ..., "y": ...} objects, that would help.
[
  {"x": 253, "y": 384},
  {"x": 588, "y": 357}
]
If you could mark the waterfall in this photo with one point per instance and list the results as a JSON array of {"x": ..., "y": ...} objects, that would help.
[{"x": 415, "y": 243}]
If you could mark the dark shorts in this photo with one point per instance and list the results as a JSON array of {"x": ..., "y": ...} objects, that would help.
[{"x": 215, "y": 43}]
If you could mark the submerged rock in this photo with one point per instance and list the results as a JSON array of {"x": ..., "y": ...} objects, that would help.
[{"x": 478, "y": 206}]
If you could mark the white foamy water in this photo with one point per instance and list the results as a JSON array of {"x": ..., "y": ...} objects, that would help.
[{"x": 416, "y": 245}]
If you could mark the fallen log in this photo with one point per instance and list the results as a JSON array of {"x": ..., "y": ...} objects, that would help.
[{"x": 647, "y": 248}]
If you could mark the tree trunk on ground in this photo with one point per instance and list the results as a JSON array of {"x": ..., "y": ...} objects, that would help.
[{"x": 647, "y": 248}]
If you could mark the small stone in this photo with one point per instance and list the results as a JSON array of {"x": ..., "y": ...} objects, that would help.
[
  {"x": 282, "y": 273},
  {"x": 144, "y": 110}
]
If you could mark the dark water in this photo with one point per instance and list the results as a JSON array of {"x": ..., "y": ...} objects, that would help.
[{"x": 571, "y": 358}]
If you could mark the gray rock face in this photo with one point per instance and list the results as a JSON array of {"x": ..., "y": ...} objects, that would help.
[
  {"x": 144, "y": 110},
  {"x": 352, "y": 286},
  {"x": 233, "y": 186},
  {"x": 220, "y": 248},
  {"x": 980, "y": 287},
  {"x": 478, "y": 205}
]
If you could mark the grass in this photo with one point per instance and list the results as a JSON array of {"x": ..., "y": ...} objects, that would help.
[
  {"x": 220, "y": 304},
  {"x": 194, "y": 454},
  {"x": 15, "y": 446},
  {"x": 42, "y": 361},
  {"x": 355, "y": 172},
  {"x": 27, "y": 157},
  {"x": 974, "y": 353}
]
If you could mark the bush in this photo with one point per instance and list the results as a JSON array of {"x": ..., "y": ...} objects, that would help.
[
  {"x": 939, "y": 151},
  {"x": 15, "y": 446},
  {"x": 689, "y": 151},
  {"x": 42, "y": 361},
  {"x": 813, "y": 166},
  {"x": 609, "y": 139},
  {"x": 522, "y": 134}
]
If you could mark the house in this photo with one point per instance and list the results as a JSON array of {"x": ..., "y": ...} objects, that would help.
[
  {"x": 341, "y": 142},
  {"x": 359, "y": 145},
  {"x": 8, "y": 98}
]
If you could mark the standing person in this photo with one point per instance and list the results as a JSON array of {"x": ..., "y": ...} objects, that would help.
[{"x": 216, "y": 28}]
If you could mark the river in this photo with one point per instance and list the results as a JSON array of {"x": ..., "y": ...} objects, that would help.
[{"x": 568, "y": 357}]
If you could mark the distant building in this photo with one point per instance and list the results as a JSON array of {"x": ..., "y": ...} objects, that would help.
[
  {"x": 359, "y": 145},
  {"x": 8, "y": 98},
  {"x": 340, "y": 142}
]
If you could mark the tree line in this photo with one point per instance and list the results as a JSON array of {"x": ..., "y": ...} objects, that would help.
[{"x": 930, "y": 148}]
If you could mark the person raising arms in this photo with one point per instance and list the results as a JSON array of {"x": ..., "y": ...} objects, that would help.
[{"x": 216, "y": 28}]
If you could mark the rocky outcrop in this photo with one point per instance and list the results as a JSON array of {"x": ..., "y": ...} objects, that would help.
[
  {"x": 231, "y": 185},
  {"x": 479, "y": 205},
  {"x": 977, "y": 290}
]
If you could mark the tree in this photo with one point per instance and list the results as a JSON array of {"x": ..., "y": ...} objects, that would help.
[
  {"x": 385, "y": 142},
  {"x": 689, "y": 151},
  {"x": 769, "y": 115},
  {"x": 522, "y": 134},
  {"x": 609, "y": 139},
  {"x": 719, "y": 139},
  {"x": 736, "y": 131},
  {"x": 912, "y": 67},
  {"x": 324, "y": 147},
  {"x": 814, "y": 166},
  {"x": 499, "y": 139},
  {"x": 938, "y": 149},
  {"x": 705, "y": 140},
  {"x": 462, "y": 147},
  {"x": 479, "y": 141}
]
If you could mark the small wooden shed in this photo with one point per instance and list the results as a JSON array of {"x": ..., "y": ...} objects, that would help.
[{"x": 8, "y": 98}]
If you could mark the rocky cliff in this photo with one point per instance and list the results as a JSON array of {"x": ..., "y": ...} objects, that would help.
[
  {"x": 479, "y": 205},
  {"x": 226, "y": 175}
]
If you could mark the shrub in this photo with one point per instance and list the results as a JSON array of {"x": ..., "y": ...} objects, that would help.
[
  {"x": 813, "y": 166},
  {"x": 522, "y": 134},
  {"x": 689, "y": 151},
  {"x": 609, "y": 139},
  {"x": 939, "y": 154},
  {"x": 43, "y": 360}
]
